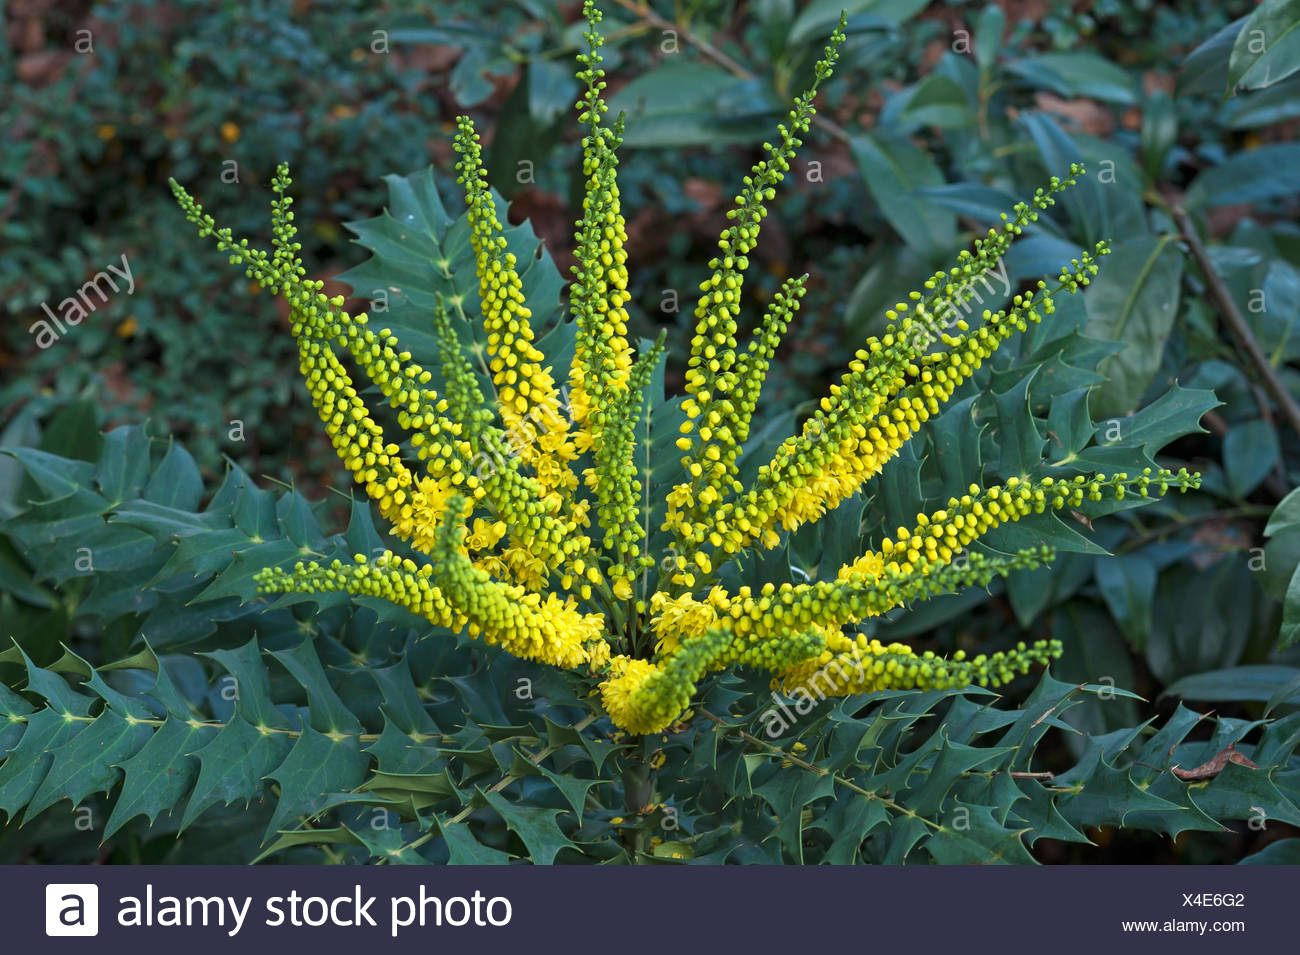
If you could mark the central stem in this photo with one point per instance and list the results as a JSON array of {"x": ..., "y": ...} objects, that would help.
[{"x": 638, "y": 794}]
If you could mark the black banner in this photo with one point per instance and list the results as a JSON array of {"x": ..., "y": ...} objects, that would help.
[{"x": 644, "y": 909}]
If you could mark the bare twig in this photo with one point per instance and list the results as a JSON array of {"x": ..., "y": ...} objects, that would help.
[
  {"x": 1181, "y": 522},
  {"x": 1235, "y": 321}
]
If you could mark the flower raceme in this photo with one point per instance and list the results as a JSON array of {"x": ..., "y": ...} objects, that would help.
[{"x": 544, "y": 553}]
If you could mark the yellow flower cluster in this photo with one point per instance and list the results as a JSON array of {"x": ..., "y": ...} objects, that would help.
[
  {"x": 624, "y": 692},
  {"x": 860, "y": 665},
  {"x": 677, "y": 618},
  {"x": 938, "y": 537},
  {"x": 526, "y": 395},
  {"x": 320, "y": 323},
  {"x": 501, "y": 494},
  {"x": 870, "y": 414},
  {"x": 722, "y": 388},
  {"x": 605, "y": 384}
]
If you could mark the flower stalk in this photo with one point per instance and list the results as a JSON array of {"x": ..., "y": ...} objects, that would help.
[{"x": 543, "y": 553}]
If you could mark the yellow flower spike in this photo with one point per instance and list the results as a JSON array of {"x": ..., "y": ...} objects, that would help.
[
  {"x": 527, "y": 398},
  {"x": 384, "y": 577},
  {"x": 719, "y": 380},
  {"x": 842, "y": 447},
  {"x": 465, "y": 402},
  {"x": 359, "y": 441},
  {"x": 647, "y": 697},
  {"x": 546, "y": 630},
  {"x": 967, "y": 518},
  {"x": 602, "y": 355}
]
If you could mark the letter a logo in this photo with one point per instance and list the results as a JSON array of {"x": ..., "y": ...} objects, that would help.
[{"x": 71, "y": 909}]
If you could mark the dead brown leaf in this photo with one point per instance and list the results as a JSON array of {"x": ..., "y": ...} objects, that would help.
[
  {"x": 1088, "y": 115},
  {"x": 1217, "y": 537},
  {"x": 41, "y": 68},
  {"x": 1031, "y": 10},
  {"x": 1153, "y": 81},
  {"x": 933, "y": 53},
  {"x": 1215, "y": 766},
  {"x": 432, "y": 58},
  {"x": 704, "y": 191}
]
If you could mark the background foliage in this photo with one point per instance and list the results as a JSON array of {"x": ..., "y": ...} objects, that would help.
[{"x": 940, "y": 114}]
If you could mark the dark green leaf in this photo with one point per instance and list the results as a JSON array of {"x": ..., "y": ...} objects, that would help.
[
  {"x": 1206, "y": 67},
  {"x": 1266, "y": 174},
  {"x": 535, "y": 826},
  {"x": 894, "y": 169},
  {"x": 233, "y": 765},
  {"x": 1128, "y": 586},
  {"x": 160, "y": 774},
  {"x": 1258, "y": 681},
  {"x": 1134, "y": 300},
  {"x": 1267, "y": 50},
  {"x": 1250, "y": 451},
  {"x": 1076, "y": 73},
  {"x": 123, "y": 467},
  {"x": 88, "y": 763},
  {"x": 316, "y": 768}
]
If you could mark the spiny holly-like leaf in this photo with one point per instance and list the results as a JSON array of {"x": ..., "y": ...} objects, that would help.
[
  {"x": 158, "y": 777},
  {"x": 1039, "y": 812},
  {"x": 123, "y": 467},
  {"x": 89, "y": 762},
  {"x": 317, "y": 767},
  {"x": 972, "y": 836},
  {"x": 176, "y": 481},
  {"x": 1104, "y": 792},
  {"x": 328, "y": 713},
  {"x": 27, "y": 764},
  {"x": 954, "y": 759},
  {"x": 57, "y": 477},
  {"x": 1240, "y": 792},
  {"x": 1175, "y": 413},
  {"x": 535, "y": 826},
  {"x": 787, "y": 791},
  {"x": 252, "y": 685},
  {"x": 464, "y": 849},
  {"x": 1018, "y": 434},
  {"x": 233, "y": 765},
  {"x": 387, "y": 845},
  {"x": 14, "y": 711},
  {"x": 573, "y": 788},
  {"x": 848, "y": 822}
]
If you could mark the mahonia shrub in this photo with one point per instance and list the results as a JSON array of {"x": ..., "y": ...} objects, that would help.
[
  {"x": 524, "y": 499},
  {"x": 564, "y": 645}
]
